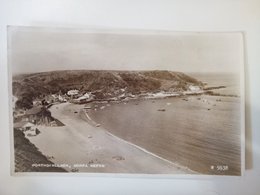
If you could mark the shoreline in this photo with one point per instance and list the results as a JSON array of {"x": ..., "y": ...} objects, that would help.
[
  {"x": 141, "y": 148},
  {"x": 84, "y": 144},
  {"x": 108, "y": 117},
  {"x": 211, "y": 91}
]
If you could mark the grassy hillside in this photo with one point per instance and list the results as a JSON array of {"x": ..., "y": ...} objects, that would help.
[{"x": 107, "y": 83}]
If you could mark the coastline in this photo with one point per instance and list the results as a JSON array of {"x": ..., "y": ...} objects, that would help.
[
  {"x": 84, "y": 144},
  {"x": 142, "y": 149},
  {"x": 209, "y": 130}
]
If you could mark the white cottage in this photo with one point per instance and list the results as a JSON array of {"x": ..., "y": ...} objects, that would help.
[
  {"x": 194, "y": 88},
  {"x": 73, "y": 92},
  {"x": 24, "y": 125},
  {"x": 27, "y": 127}
]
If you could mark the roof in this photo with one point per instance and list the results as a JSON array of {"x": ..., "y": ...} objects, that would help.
[
  {"x": 73, "y": 92},
  {"x": 82, "y": 98},
  {"x": 34, "y": 110},
  {"x": 23, "y": 124},
  {"x": 87, "y": 95}
]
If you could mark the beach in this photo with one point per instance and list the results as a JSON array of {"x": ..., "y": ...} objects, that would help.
[{"x": 86, "y": 148}]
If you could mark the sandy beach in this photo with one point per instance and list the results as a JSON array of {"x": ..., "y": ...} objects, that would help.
[{"x": 86, "y": 148}]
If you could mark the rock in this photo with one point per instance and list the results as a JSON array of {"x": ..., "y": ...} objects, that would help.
[
  {"x": 75, "y": 170},
  {"x": 118, "y": 158},
  {"x": 162, "y": 110}
]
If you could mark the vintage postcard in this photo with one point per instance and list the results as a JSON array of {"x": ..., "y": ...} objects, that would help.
[{"x": 126, "y": 101}]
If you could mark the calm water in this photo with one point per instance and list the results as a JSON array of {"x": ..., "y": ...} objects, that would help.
[
  {"x": 231, "y": 81},
  {"x": 199, "y": 133}
]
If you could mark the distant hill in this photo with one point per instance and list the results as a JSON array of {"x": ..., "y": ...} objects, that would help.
[{"x": 107, "y": 83}]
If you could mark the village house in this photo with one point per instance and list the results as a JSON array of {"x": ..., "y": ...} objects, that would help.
[
  {"x": 14, "y": 100},
  {"x": 31, "y": 114},
  {"x": 37, "y": 103},
  {"x": 62, "y": 99},
  {"x": 73, "y": 92},
  {"x": 28, "y": 128},
  {"x": 84, "y": 99},
  {"x": 194, "y": 88},
  {"x": 80, "y": 100},
  {"x": 38, "y": 115},
  {"x": 18, "y": 113},
  {"x": 23, "y": 125},
  {"x": 48, "y": 99}
]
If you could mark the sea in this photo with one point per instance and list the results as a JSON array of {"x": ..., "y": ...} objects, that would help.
[{"x": 200, "y": 132}]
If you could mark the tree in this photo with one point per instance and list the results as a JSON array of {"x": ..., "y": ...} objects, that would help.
[{"x": 24, "y": 103}]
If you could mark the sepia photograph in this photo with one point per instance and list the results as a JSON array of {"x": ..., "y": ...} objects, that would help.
[{"x": 126, "y": 101}]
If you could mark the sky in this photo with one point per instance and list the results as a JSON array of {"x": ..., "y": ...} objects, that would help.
[{"x": 47, "y": 49}]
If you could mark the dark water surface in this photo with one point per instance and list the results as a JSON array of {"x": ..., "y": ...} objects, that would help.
[{"x": 199, "y": 132}]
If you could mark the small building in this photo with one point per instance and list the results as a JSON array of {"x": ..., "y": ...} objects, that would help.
[
  {"x": 31, "y": 114},
  {"x": 73, "y": 92},
  {"x": 37, "y": 102},
  {"x": 38, "y": 115},
  {"x": 83, "y": 99},
  {"x": 194, "y": 88},
  {"x": 24, "y": 125},
  {"x": 14, "y": 100},
  {"x": 62, "y": 99},
  {"x": 27, "y": 128},
  {"x": 32, "y": 132},
  {"x": 54, "y": 98},
  {"x": 87, "y": 95},
  {"x": 18, "y": 113}
]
